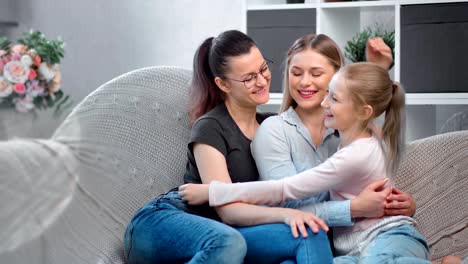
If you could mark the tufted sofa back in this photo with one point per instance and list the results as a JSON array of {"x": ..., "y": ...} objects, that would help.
[{"x": 130, "y": 137}]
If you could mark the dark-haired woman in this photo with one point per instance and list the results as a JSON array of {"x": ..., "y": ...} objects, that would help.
[{"x": 230, "y": 79}]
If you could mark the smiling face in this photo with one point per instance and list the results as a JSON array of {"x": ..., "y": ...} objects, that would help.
[
  {"x": 249, "y": 78},
  {"x": 338, "y": 107},
  {"x": 309, "y": 75}
]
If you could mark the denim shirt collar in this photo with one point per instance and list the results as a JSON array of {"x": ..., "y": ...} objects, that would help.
[{"x": 292, "y": 118}]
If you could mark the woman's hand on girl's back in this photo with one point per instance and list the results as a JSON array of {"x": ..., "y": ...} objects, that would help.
[
  {"x": 400, "y": 203},
  {"x": 194, "y": 194},
  {"x": 298, "y": 220},
  {"x": 371, "y": 201}
]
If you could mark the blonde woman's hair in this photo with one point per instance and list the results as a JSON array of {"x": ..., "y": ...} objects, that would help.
[
  {"x": 320, "y": 43},
  {"x": 370, "y": 84}
]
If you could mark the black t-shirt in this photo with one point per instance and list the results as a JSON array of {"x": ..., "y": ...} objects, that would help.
[{"x": 217, "y": 129}]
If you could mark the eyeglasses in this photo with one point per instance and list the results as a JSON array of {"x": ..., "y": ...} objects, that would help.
[{"x": 251, "y": 79}]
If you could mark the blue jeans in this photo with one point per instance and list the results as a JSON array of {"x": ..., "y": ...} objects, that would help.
[
  {"x": 274, "y": 243},
  {"x": 402, "y": 244},
  {"x": 163, "y": 232}
]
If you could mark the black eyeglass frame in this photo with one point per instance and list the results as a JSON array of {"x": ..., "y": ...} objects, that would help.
[{"x": 268, "y": 62}]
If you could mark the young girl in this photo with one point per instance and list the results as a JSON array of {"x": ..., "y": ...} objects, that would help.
[
  {"x": 297, "y": 140},
  {"x": 358, "y": 94}
]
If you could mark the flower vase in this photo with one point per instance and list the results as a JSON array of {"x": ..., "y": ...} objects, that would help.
[{"x": 15, "y": 124}]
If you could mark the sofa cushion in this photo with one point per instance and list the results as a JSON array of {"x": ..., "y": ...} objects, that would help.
[{"x": 435, "y": 171}]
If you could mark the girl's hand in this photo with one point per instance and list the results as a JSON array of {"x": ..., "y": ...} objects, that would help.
[
  {"x": 194, "y": 194},
  {"x": 371, "y": 201},
  {"x": 298, "y": 220},
  {"x": 378, "y": 52},
  {"x": 400, "y": 203}
]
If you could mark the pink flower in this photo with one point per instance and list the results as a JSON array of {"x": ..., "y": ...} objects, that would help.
[
  {"x": 6, "y": 59},
  {"x": 2, "y": 52},
  {"x": 19, "y": 48},
  {"x": 32, "y": 74},
  {"x": 16, "y": 72},
  {"x": 37, "y": 60},
  {"x": 5, "y": 87},
  {"x": 20, "y": 88},
  {"x": 15, "y": 56}
]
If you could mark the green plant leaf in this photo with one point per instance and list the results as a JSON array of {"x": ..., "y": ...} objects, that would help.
[
  {"x": 51, "y": 51},
  {"x": 5, "y": 44}
]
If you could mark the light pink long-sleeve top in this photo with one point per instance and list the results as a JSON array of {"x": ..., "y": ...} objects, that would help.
[{"x": 345, "y": 174}]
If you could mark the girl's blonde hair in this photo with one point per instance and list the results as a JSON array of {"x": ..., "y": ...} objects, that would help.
[
  {"x": 370, "y": 84},
  {"x": 320, "y": 43}
]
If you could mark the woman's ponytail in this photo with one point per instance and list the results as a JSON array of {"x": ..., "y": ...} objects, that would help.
[{"x": 204, "y": 95}]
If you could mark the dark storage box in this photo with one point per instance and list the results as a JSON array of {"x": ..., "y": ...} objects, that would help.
[
  {"x": 434, "y": 48},
  {"x": 275, "y": 31}
]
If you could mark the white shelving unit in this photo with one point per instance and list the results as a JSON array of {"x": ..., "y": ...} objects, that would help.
[{"x": 343, "y": 20}]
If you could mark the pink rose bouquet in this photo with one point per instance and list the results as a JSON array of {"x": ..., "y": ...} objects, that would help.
[{"x": 29, "y": 73}]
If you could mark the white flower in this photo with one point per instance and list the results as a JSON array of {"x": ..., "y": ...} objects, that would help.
[
  {"x": 16, "y": 72},
  {"x": 24, "y": 105},
  {"x": 5, "y": 87},
  {"x": 46, "y": 71},
  {"x": 26, "y": 60}
]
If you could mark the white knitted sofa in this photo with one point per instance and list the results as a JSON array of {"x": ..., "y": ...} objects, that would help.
[{"x": 68, "y": 199}]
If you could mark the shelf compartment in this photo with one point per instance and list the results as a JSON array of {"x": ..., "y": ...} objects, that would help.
[
  {"x": 356, "y": 4},
  {"x": 436, "y": 98},
  {"x": 434, "y": 38},
  {"x": 342, "y": 24},
  {"x": 411, "y": 99},
  {"x": 275, "y": 31},
  {"x": 424, "y": 2}
]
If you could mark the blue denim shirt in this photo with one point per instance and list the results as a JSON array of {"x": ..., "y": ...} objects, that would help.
[{"x": 283, "y": 147}]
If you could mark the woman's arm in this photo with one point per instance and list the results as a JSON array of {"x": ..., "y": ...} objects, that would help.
[
  {"x": 272, "y": 154},
  {"x": 212, "y": 167},
  {"x": 335, "y": 173}
]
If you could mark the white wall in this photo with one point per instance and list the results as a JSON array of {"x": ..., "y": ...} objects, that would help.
[{"x": 107, "y": 38}]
